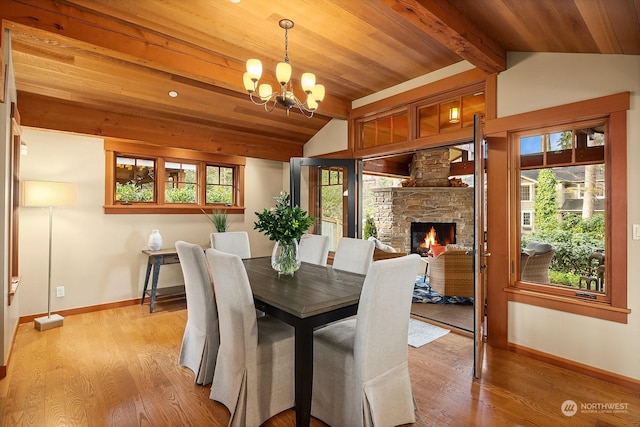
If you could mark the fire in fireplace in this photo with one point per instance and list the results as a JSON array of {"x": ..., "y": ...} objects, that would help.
[{"x": 424, "y": 235}]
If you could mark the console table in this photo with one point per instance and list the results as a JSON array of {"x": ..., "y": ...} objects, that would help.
[{"x": 156, "y": 259}]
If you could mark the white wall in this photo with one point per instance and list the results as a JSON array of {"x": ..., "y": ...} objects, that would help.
[
  {"x": 98, "y": 257},
  {"x": 535, "y": 81}
]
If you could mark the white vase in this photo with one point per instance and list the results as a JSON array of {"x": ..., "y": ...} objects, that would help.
[{"x": 155, "y": 240}]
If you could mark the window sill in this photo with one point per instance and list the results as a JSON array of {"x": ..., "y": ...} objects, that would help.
[
  {"x": 134, "y": 209},
  {"x": 569, "y": 305}
]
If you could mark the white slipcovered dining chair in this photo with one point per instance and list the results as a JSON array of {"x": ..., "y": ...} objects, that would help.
[
  {"x": 361, "y": 372},
  {"x": 254, "y": 376},
  {"x": 232, "y": 242},
  {"x": 314, "y": 249},
  {"x": 201, "y": 338},
  {"x": 354, "y": 255}
]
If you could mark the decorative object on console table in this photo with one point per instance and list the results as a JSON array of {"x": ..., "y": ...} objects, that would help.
[
  {"x": 284, "y": 223},
  {"x": 46, "y": 194},
  {"x": 155, "y": 240}
]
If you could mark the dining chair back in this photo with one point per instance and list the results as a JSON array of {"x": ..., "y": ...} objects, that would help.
[
  {"x": 233, "y": 242},
  {"x": 361, "y": 375},
  {"x": 354, "y": 255},
  {"x": 314, "y": 249},
  {"x": 255, "y": 366},
  {"x": 201, "y": 338}
]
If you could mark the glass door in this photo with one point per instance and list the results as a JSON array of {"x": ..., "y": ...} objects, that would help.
[
  {"x": 479, "y": 253},
  {"x": 328, "y": 189}
]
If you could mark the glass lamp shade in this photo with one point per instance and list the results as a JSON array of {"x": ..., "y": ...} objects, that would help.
[
  {"x": 312, "y": 104},
  {"x": 283, "y": 72},
  {"x": 454, "y": 115},
  {"x": 308, "y": 81},
  {"x": 254, "y": 69},
  {"x": 265, "y": 91},
  {"x": 249, "y": 84},
  {"x": 318, "y": 93}
]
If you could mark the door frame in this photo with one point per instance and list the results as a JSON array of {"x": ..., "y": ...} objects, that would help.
[{"x": 353, "y": 175}]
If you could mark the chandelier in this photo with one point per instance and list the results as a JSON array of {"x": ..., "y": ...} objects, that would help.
[{"x": 285, "y": 96}]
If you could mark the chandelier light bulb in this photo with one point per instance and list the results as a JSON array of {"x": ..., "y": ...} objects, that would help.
[
  {"x": 312, "y": 104},
  {"x": 308, "y": 81},
  {"x": 249, "y": 84},
  {"x": 318, "y": 93},
  {"x": 283, "y": 73},
  {"x": 265, "y": 91},
  {"x": 254, "y": 69}
]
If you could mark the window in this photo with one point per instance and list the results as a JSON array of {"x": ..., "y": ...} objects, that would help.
[
  {"x": 585, "y": 270},
  {"x": 135, "y": 180},
  {"x": 525, "y": 193},
  {"x": 569, "y": 226},
  {"x": 151, "y": 179},
  {"x": 220, "y": 185},
  {"x": 181, "y": 182}
]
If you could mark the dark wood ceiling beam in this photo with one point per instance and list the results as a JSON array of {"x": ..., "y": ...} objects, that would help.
[
  {"x": 139, "y": 45},
  {"x": 49, "y": 113},
  {"x": 445, "y": 24}
]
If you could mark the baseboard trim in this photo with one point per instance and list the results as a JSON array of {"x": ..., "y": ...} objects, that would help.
[
  {"x": 92, "y": 308},
  {"x": 574, "y": 366}
]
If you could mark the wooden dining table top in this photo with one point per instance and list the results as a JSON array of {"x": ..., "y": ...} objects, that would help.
[{"x": 312, "y": 290}]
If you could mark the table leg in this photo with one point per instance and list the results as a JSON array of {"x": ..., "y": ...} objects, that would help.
[
  {"x": 146, "y": 281},
  {"x": 303, "y": 373},
  {"x": 154, "y": 282}
]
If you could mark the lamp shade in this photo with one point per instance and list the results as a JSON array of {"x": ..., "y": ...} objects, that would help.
[{"x": 47, "y": 193}]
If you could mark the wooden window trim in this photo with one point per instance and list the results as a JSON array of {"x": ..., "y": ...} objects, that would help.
[
  {"x": 114, "y": 147},
  {"x": 614, "y": 109}
]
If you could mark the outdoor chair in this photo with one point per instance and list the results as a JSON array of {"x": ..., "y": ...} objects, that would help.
[{"x": 535, "y": 260}]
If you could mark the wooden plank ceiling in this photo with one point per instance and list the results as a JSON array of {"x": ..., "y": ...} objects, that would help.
[{"x": 105, "y": 67}]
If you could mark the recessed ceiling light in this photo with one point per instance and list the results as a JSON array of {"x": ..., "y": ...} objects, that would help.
[
  {"x": 235, "y": 1},
  {"x": 173, "y": 93}
]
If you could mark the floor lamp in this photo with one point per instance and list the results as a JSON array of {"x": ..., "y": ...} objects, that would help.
[{"x": 48, "y": 194}]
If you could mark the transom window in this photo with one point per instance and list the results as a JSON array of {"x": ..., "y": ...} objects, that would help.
[{"x": 151, "y": 179}]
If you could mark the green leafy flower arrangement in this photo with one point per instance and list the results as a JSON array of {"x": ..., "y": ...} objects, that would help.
[{"x": 283, "y": 222}]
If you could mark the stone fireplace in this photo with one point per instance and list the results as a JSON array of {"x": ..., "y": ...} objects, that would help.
[{"x": 431, "y": 200}]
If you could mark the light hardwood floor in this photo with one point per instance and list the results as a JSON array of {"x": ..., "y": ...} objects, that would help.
[{"x": 119, "y": 368}]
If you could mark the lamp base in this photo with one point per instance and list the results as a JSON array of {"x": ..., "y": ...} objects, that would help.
[{"x": 48, "y": 322}]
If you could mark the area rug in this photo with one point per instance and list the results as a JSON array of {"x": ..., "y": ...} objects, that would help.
[
  {"x": 421, "y": 333},
  {"x": 422, "y": 292}
]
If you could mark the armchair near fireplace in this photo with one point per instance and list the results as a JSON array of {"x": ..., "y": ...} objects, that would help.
[{"x": 451, "y": 273}]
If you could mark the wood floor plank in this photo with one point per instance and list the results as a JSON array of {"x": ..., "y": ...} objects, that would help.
[{"x": 119, "y": 368}]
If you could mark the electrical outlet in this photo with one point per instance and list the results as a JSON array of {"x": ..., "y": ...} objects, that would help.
[
  {"x": 60, "y": 291},
  {"x": 636, "y": 232}
]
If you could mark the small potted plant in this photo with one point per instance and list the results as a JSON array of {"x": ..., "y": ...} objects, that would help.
[
  {"x": 285, "y": 225},
  {"x": 219, "y": 219}
]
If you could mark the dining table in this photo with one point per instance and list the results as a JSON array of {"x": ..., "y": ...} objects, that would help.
[{"x": 313, "y": 296}]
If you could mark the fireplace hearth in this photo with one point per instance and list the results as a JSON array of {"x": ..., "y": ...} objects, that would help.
[{"x": 424, "y": 235}]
